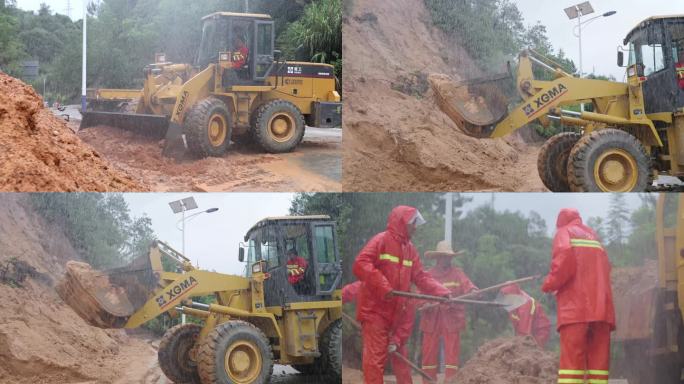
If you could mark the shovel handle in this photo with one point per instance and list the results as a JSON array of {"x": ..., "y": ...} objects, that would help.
[
  {"x": 492, "y": 288},
  {"x": 443, "y": 299}
]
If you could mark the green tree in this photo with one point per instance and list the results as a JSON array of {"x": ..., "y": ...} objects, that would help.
[{"x": 617, "y": 223}]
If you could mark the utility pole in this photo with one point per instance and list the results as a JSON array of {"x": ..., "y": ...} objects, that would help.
[
  {"x": 448, "y": 217},
  {"x": 83, "y": 69},
  {"x": 68, "y": 9},
  {"x": 246, "y": 6}
]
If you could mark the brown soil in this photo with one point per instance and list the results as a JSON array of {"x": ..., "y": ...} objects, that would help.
[
  {"x": 351, "y": 376},
  {"x": 41, "y": 339},
  {"x": 393, "y": 141},
  {"x": 39, "y": 153},
  {"x": 516, "y": 360},
  {"x": 241, "y": 169}
]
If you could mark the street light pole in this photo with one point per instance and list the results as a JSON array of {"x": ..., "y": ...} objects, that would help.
[
  {"x": 448, "y": 217},
  {"x": 83, "y": 69},
  {"x": 579, "y": 26}
]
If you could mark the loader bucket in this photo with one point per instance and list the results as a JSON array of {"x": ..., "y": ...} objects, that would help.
[
  {"x": 636, "y": 300},
  {"x": 106, "y": 299},
  {"x": 149, "y": 125},
  {"x": 476, "y": 106}
]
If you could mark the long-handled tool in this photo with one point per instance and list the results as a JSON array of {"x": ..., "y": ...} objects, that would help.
[
  {"x": 395, "y": 354},
  {"x": 445, "y": 299},
  {"x": 504, "y": 300}
]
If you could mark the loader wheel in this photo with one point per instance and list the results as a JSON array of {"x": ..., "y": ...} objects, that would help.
[
  {"x": 609, "y": 160},
  {"x": 235, "y": 352},
  {"x": 329, "y": 364},
  {"x": 175, "y": 351},
  {"x": 278, "y": 126},
  {"x": 208, "y": 128},
  {"x": 552, "y": 162}
]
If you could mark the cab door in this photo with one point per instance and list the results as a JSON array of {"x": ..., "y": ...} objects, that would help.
[
  {"x": 660, "y": 87},
  {"x": 326, "y": 257},
  {"x": 263, "y": 42}
]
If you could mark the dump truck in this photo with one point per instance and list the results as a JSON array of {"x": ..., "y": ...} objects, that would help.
[
  {"x": 628, "y": 134},
  {"x": 649, "y": 304},
  {"x": 250, "y": 321},
  {"x": 238, "y": 89}
]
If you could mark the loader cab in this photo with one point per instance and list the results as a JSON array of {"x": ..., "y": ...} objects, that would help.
[
  {"x": 655, "y": 53},
  {"x": 311, "y": 238},
  {"x": 240, "y": 44}
]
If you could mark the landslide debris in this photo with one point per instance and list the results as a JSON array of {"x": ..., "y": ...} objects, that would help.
[
  {"x": 42, "y": 340},
  {"x": 396, "y": 137},
  {"x": 514, "y": 360},
  {"x": 38, "y": 152}
]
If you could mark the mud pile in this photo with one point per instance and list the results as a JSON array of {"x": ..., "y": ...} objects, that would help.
[
  {"x": 41, "y": 339},
  {"x": 516, "y": 360},
  {"x": 39, "y": 152},
  {"x": 406, "y": 138}
]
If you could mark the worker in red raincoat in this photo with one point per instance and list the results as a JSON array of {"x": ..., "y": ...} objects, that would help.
[
  {"x": 679, "y": 67},
  {"x": 350, "y": 292},
  {"x": 446, "y": 320},
  {"x": 296, "y": 267},
  {"x": 389, "y": 262},
  {"x": 580, "y": 279},
  {"x": 401, "y": 331},
  {"x": 240, "y": 53},
  {"x": 528, "y": 319}
]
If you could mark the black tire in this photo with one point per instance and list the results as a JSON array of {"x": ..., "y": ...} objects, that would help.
[
  {"x": 208, "y": 128},
  {"x": 603, "y": 147},
  {"x": 331, "y": 352},
  {"x": 174, "y": 354},
  {"x": 278, "y": 113},
  {"x": 212, "y": 351},
  {"x": 552, "y": 162}
]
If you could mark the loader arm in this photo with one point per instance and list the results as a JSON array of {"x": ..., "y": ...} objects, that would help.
[
  {"x": 193, "y": 283},
  {"x": 615, "y": 104}
]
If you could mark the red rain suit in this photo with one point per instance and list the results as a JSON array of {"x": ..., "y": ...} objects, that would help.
[
  {"x": 240, "y": 57},
  {"x": 296, "y": 268},
  {"x": 388, "y": 262},
  {"x": 445, "y": 321},
  {"x": 680, "y": 74},
  {"x": 350, "y": 292},
  {"x": 529, "y": 319},
  {"x": 580, "y": 278}
]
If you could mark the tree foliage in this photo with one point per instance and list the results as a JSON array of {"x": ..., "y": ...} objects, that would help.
[
  {"x": 99, "y": 226},
  {"x": 124, "y": 35}
]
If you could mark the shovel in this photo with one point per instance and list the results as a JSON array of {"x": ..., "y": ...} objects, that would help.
[
  {"x": 395, "y": 354},
  {"x": 507, "y": 303}
]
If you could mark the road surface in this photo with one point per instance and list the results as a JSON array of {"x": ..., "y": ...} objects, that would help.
[{"x": 316, "y": 165}]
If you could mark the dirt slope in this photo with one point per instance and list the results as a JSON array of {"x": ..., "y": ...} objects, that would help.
[
  {"x": 394, "y": 141},
  {"x": 41, "y": 339},
  {"x": 39, "y": 153}
]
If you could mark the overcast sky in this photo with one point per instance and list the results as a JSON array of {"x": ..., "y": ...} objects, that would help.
[
  {"x": 210, "y": 238},
  {"x": 601, "y": 37}
]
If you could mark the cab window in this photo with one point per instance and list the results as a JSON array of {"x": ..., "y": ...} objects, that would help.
[
  {"x": 325, "y": 247},
  {"x": 296, "y": 239}
]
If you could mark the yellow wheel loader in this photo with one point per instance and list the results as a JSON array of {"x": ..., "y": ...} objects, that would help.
[
  {"x": 649, "y": 304},
  {"x": 252, "y": 321},
  {"x": 628, "y": 133},
  {"x": 238, "y": 89}
]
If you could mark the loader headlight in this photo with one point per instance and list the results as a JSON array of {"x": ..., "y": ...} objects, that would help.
[
  {"x": 256, "y": 268},
  {"x": 224, "y": 56},
  {"x": 160, "y": 58}
]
